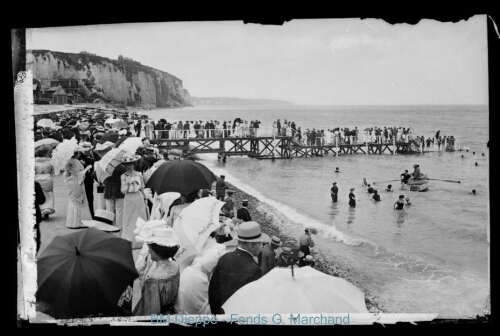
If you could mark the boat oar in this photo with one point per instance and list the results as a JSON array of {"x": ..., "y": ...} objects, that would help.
[
  {"x": 445, "y": 180},
  {"x": 385, "y": 181}
]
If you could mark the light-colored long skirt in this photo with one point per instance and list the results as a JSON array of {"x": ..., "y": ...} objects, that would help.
[
  {"x": 47, "y": 185},
  {"x": 77, "y": 212},
  {"x": 134, "y": 207},
  {"x": 116, "y": 206}
]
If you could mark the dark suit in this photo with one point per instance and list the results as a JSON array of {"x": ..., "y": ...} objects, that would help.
[
  {"x": 234, "y": 270},
  {"x": 243, "y": 214},
  {"x": 268, "y": 261}
]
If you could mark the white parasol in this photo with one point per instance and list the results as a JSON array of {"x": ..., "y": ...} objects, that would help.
[
  {"x": 46, "y": 123},
  {"x": 108, "y": 163},
  {"x": 62, "y": 153},
  {"x": 193, "y": 227},
  {"x": 307, "y": 292},
  {"x": 131, "y": 144}
]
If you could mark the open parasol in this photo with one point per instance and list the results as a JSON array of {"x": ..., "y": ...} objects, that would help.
[
  {"x": 84, "y": 274},
  {"x": 47, "y": 141},
  {"x": 307, "y": 292},
  {"x": 184, "y": 176},
  {"x": 107, "y": 164},
  {"x": 193, "y": 227}
]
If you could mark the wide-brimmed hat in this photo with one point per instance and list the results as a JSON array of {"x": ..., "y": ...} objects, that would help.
[
  {"x": 334, "y": 183},
  {"x": 155, "y": 231},
  {"x": 276, "y": 241},
  {"x": 130, "y": 158},
  {"x": 251, "y": 232},
  {"x": 292, "y": 252},
  {"x": 102, "y": 221},
  {"x": 85, "y": 146},
  {"x": 401, "y": 196},
  {"x": 312, "y": 230},
  {"x": 230, "y": 191}
]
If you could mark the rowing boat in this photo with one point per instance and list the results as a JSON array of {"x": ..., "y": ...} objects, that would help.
[{"x": 416, "y": 185}]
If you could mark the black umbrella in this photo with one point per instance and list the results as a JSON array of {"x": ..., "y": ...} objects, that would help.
[
  {"x": 183, "y": 176},
  {"x": 110, "y": 136},
  {"x": 84, "y": 274}
]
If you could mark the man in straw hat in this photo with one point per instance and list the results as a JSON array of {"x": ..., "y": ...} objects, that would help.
[
  {"x": 237, "y": 268},
  {"x": 243, "y": 212},
  {"x": 269, "y": 255},
  {"x": 288, "y": 256}
]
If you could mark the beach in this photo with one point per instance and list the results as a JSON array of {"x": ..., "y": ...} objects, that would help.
[{"x": 273, "y": 223}]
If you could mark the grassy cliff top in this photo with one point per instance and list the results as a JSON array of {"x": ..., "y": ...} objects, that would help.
[{"x": 130, "y": 66}]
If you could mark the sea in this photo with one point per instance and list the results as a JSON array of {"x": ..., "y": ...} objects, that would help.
[{"x": 431, "y": 257}]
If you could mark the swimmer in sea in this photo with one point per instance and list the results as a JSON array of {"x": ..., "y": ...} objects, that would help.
[
  {"x": 376, "y": 196},
  {"x": 352, "y": 199},
  {"x": 477, "y": 164},
  {"x": 474, "y": 192},
  {"x": 337, "y": 170},
  {"x": 407, "y": 201},
  {"x": 399, "y": 205},
  {"x": 364, "y": 183},
  {"x": 389, "y": 188}
]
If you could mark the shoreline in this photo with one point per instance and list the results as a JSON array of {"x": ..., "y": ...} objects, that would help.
[{"x": 272, "y": 223}]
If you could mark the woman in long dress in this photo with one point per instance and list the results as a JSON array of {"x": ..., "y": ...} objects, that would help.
[
  {"x": 158, "y": 273},
  {"x": 78, "y": 206},
  {"x": 44, "y": 171},
  {"x": 134, "y": 201}
]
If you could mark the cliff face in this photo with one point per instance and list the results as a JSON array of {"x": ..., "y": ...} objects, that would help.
[{"x": 121, "y": 81}]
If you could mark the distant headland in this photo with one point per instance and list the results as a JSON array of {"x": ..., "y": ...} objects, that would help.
[{"x": 203, "y": 101}]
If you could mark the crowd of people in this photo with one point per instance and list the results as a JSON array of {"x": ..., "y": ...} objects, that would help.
[{"x": 122, "y": 206}]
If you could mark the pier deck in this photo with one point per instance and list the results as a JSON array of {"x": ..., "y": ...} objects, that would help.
[{"x": 268, "y": 147}]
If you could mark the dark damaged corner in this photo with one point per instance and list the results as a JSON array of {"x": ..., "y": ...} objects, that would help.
[{"x": 18, "y": 41}]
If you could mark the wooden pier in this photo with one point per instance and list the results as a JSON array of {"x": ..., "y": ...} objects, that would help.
[{"x": 268, "y": 147}]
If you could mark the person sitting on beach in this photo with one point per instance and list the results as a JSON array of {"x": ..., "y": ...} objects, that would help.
[
  {"x": 376, "y": 196},
  {"x": 389, "y": 188},
  {"x": 306, "y": 241},
  {"x": 369, "y": 189},
  {"x": 243, "y": 213},
  {"x": 268, "y": 258},
  {"x": 289, "y": 256},
  {"x": 307, "y": 261},
  {"x": 399, "y": 205}
]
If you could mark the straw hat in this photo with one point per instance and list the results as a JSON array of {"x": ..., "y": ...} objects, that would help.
[
  {"x": 276, "y": 241},
  {"x": 102, "y": 221},
  {"x": 85, "y": 146},
  {"x": 130, "y": 158},
  {"x": 251, "y": 232},
  {"x": 155, "y": 231}
]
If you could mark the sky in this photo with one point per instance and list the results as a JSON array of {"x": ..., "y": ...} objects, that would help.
[{"x": 306, "y": 61}]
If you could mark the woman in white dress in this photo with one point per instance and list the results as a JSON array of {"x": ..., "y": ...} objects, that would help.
[
  {"x": 134, "y": 202},
  {"x": 78, "y": 206},
  {"x": 237, "y": 130},
  {"x": 192, "y": 131}
]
